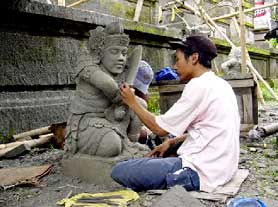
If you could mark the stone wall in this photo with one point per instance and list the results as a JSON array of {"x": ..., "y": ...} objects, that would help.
[
  {"x": 121, "y": 8},
  {"x": 38, "y": 58}
]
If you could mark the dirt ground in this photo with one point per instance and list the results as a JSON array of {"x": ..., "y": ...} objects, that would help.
[{"x": 259, "y": 157}]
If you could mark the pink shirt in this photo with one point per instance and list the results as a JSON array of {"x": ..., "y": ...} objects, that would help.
[{"x": 208, "y": 111}]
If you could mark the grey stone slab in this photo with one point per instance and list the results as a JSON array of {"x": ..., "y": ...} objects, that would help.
[{"x": 177, "y": 197}]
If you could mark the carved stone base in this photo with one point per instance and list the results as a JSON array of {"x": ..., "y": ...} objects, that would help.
[{"x": 90, "y": 169}]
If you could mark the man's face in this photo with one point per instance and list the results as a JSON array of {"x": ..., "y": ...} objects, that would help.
[
  {"x": 183, "y": 66},
  {"x": 114, "y": 59}
]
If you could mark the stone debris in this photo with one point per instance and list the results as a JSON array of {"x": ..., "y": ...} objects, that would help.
[{"x": 177, "y": 196}]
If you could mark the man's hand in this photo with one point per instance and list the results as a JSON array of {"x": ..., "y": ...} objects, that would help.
[
  {"x": 127, "y": 94},
  {"x": 160, "y": 149}
]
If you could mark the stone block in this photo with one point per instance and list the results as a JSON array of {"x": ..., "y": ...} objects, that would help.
[
  {"x": 177, "y": 196},
  {"x": 35, "y": 60},
  {"x": 91, "y": 169},
  {"x": 23, "y": 111}
]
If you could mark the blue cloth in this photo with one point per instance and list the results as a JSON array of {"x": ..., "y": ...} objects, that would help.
[
  {"x": 166, "y": 74},
  {"x": 154, "y": 173}
]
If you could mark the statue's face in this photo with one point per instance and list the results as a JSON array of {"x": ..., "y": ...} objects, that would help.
[{"x": 114, "y": 59}]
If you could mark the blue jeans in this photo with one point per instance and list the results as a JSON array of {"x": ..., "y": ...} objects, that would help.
[{"x": 154, "y": 173}]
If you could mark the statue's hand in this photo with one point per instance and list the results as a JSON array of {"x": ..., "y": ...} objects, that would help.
[
  {"x": 117, "y": 98},
  {"x": 119, "y": 113}
]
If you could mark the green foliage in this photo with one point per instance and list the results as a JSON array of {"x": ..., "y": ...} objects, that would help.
[
  {"x": 273, "y": 42},
  {"x": 153, "y": 102},
  {"x": 6, "y": 138},
  {"x": 274, "y": 13},
  {"x": 267, "y": 96}
]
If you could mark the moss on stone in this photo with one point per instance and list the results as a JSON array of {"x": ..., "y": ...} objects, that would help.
[
  {"x": 247, "y": 5},
  {"x": 247, "y": 24},
  {"x": 258, "y": 51},
  {"x": 219, "y": 42},
  {"x": 115, "y": 8},
  {"x": 129, "y": 13},
  {"x": 83, "y": 44},
  {"x": 255, "y": 50},
  {"x": 139, "y": 27}
]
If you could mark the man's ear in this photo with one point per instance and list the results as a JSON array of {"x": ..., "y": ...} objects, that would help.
[{"x": 195, "y": 58}]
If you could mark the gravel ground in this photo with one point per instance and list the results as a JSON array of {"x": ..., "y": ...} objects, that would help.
[{"x": 259, "y": 157}]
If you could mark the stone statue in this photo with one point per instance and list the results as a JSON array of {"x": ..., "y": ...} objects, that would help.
[
  {"x": 232, "y": 67},
  {"x": 99, "y": 124}
]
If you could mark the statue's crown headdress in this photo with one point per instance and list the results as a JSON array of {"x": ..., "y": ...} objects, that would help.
[{"x": 112, "y": 34}]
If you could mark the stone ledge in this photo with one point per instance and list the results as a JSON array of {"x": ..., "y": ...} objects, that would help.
[{"x": 84, "y": 16}]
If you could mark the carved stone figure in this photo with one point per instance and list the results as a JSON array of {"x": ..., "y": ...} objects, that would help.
[
  {"x": 232, "y": 67},
  {"x": 99, "y": 124}
]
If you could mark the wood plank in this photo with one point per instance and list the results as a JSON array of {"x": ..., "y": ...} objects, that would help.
[
  {"x": 171, "y": 88},
  {"x": 241, "y": 83},
  {"x": 247, "y": 107},
  {"x": 179, "y": 87}
]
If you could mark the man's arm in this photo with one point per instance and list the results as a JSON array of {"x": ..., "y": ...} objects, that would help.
[{"x": 144, "y": 115}]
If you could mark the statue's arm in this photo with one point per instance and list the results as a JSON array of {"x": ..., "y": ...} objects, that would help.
[
  {"x": 101, "y": 80},
  {"x": 135, "y": 125}
]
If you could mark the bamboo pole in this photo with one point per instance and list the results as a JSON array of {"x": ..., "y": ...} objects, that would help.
[
  {"x": 249, "y": 64},
  {"x": 61, "y": 2},
  {"x": 43, "y": 139},
  {"x": 242, "y": 38},
  {"x": 259, "y": 90},
  {"x": 77, "y": 3},
  {"x": 245, "y": 11},
  {"x": 33, "y": 132},
  {"x": 138, "y": 9}
]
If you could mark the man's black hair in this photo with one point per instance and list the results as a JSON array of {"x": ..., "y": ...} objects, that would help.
[{"x": 202, "y": 57}]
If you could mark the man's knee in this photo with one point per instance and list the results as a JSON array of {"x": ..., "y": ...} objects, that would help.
[{"x": 117, "y": 172}]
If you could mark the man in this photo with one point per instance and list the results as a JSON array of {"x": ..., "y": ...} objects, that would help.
[
  {"x": 205, "y": 119},
  {"x": 143, "y": 80},
  {"x": 141, "y": 85}
]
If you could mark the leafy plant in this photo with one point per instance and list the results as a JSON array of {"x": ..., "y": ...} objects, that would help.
[
  {"x": 6, "y": 138},
  {"x": 267, "y": 96},
  {"x": 273, "y": 42},
  {"x": 153, "y": 102}
]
